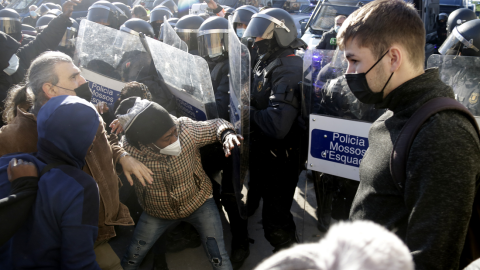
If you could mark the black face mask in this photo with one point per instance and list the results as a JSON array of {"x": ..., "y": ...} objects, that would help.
[
  {"x": 359, "y": 86},
  {"x": 83, "y": 91},
  {"x": 262, "y": 46}
]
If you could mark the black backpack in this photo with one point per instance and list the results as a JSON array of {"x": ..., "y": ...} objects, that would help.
[{"x": 398, "y": 164}]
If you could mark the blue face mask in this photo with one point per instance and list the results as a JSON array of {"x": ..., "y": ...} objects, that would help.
[
  {"x": 33, "y": 14},
  {"x": 240, "y": 32},
  {"x": 337, "y": 28}
]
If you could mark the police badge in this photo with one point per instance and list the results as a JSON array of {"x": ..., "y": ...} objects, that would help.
[{"x": 473, "y": 98}]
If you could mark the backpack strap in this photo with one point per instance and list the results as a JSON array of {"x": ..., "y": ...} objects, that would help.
[
  {"x": 50, "y": 166},
  {"x": 401, "y": 148}
]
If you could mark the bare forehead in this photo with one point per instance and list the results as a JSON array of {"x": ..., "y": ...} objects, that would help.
[{"x": 66, "y": 69}]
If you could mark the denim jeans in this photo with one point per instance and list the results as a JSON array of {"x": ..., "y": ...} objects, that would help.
[{"x": 205, "y": 219}]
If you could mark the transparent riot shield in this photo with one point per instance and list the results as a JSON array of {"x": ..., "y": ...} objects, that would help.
[
  {"x": 108, "y": 58},
  {"x": 239, "y": 61},
  {"x": 187, "y": 77},
  {"x": 338, "y": 134},
  {"x": 171, "y": 38},
  {"x": 460, "y": 73}
]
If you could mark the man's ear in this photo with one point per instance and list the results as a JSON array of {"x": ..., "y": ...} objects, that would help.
[
  {"x": 49, "y": 90},
  {"x": 396, "y": 58}
]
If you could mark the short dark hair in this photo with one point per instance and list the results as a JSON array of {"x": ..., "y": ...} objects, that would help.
[
  {"x": 381, "y": 23},
  {"x": 133, "y": 89},
  {"x": 139, "y": 11}
]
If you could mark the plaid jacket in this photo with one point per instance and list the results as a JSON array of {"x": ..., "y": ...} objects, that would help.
[{"x": 180, "y": 185}]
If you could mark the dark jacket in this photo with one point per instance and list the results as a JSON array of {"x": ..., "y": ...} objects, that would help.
[
  {"x": 62, "y": 227},
  {"x": 30, "y": 21},
  {"x": 220, "y": 85},
  {"x": 47, "y": 40},
  {"x": 21, "y": 136},
  {"x": 432, "y": 214},
  {"x": 275, "y": 97},
  {"x": 328, "y": 41}
]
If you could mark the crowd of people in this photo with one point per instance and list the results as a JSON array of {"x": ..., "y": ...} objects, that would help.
[{"x": 72, "y": 172}]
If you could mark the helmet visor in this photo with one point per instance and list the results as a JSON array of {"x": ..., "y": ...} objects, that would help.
[
  {"x": 42, "y": 10},
  {"x": 10, "y": 25},
  {"x": 158, "y": 15},
  {"x": 189, "y": 36},
  {"x": 262, "y": 25},
  {"x": 98, "y": 14},
  {"x": 68, "y": 39},
  {"x": 457, "y": 41},
  {"x": 212, "y": 43}
]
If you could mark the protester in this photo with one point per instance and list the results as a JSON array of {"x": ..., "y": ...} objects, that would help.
[
  {"x": 356, "y": 245},
  {"x": 54, "y": 74},
  {"x": 384, "y": 44},
  {"x": 32, "y": 19},
  {"x": 140, "y": 12},
  {"x": 64, "y": 216},
  {"x": 181, "y": 190}
]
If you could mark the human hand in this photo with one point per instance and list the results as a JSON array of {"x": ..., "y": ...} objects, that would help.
[
  {"x": 19, "y": 168},
  {"x": 229, "y": 143},
  {"x": 101, "y": 107},
  {"x": 67, "y": 7},
  {"x": 132, "y": 166},
  {"x": 116, "y": 127},
  {"x": 211, "y": 4}
]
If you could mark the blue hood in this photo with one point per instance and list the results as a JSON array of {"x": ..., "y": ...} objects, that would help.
[{"x": 66, "y": 128}]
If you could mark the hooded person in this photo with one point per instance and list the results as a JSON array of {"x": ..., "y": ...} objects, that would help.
[
  {"x": 181, "y": 190},
  {"x": 64, "y": 215}
]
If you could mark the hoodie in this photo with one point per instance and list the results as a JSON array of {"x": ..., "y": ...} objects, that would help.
[{"x": 62, "y": 227}]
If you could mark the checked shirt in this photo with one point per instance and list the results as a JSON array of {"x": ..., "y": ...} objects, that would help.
[{"x": 180, "y": 185}]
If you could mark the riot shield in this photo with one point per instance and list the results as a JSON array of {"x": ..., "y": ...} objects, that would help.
[
  {"x": 239, "y": 84},
  {"x": 460, "y": 73},
  {"x": 187, "y": 77},
  {"x": 171, "y": 38},
  {"x": 108, "y": 58}
]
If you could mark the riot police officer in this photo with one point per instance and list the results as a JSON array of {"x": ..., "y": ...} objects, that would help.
[
  {"x": 157, "y": 16},
  {"x": 464, "y": 41},
  {"x": 241, "y": 18},
  {"x": 187, "y": 29},
  {"x": 105, "y": 13},
  {"x": 10, "y": 23},
  {"x": 275, "y": 132},
  {"x": 213, "y": 46},
  {"x": 458, "y": 17}
]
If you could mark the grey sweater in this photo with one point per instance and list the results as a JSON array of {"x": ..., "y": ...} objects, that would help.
[{"x": 443, "y": 169}]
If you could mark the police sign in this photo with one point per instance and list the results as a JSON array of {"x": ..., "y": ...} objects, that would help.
[{"x": 337, "y": 146}]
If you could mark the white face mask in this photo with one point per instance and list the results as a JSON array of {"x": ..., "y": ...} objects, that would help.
[
  {"x": 173, "y": 149},
  {"x": 33, "y": 14},
  {"x": 240, "y": 32},
  {"x": 13, "y": 64},
  {"x": 337, "y": 28}
]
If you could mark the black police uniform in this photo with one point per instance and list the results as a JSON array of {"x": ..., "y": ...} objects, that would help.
[
  {"x": 275, "y": 107},
  {"x": 328, "y": 41}
]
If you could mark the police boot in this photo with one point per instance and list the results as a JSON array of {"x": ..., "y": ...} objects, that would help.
[
  {"x": 181, "y": 237},
  {"x": 324, "y": 194},
  {"x": 281, "y": 239},
  {"x": 239, "y": 229}
]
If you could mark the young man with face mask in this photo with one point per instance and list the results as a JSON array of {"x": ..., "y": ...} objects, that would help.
[
  {"x": 329, "y": 39},
  {"x": 384, "y": 44},
  {"x": 181, "y": 190}
]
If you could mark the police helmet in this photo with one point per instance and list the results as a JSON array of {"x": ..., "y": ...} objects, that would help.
[
  {"x": 105, "y": 13},
  {"x": 10, "y": 22},
  {"x": 126, "y": 10},
  {"x": 458, "y": 17},
  {"x": 43, "y": 22},
  {"x": 273, "y": 23},
  {"x": 228, "y": 11},
  {"x": 442, "y": 17},
  {"x": 136, "y": 26},
  {"x": 464, "y": 39},
  {"x": 187, "y": 30},
  {"x": 204, "y": 15},
  {"x": 29, "y": 30},
  {"x": 168, "y": 3},
  {"x": 56, "y": 12},
  {"x": 158, "y": 14},
  {"x": 243, "y": 15},
  {"x": 213, "y": 38}
]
